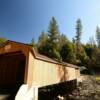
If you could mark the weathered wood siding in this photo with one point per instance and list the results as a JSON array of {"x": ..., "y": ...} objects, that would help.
[
  {"x": 30, "y": 69},
  {"x": 41, "y": 72},
  {"x": 44, "y": 73},
  {"x": 77, "y": 72},
  {"x": 71, "y": 73}
]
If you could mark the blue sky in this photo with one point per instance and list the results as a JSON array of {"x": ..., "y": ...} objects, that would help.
[{"x": 21, "y": 20}]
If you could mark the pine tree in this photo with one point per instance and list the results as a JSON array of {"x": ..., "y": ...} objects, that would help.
[
  {"x": 78, "y": 37},
  {"x": 62, "y": 40},
  {"x": 42, "y": 39},
  {"x": 42, "y": 43},
  {"x": 98, "y": 36},
  {"x": 53, "y": 39},
  {"x": 78, "y": 30},
  {"x": 67, "y": 53},
  {"x": 53, "y": 31}
]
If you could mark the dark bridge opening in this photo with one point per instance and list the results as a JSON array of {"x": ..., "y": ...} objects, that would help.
[{"x": 12, "y": 67}]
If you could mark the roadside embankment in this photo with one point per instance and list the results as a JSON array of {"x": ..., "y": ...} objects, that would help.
[{"x": 88, "y": 89}]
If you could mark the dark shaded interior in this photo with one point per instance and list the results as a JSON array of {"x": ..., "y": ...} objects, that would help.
[
  {"x": 52, "y": 91},
  {"x": 12, "y": 67}
]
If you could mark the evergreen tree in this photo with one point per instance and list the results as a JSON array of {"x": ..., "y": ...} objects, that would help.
[
  {"x": 83, "y": 56},
  {"x": 42, "y": 44},
  {"x": 53, "y": 39},
  {"x": 53, "y": 31},
  {"x": 67, "y": 53},
  {"x": 42, "y": 39},
  {"x": 89, "y": 50},
  {"x": 78, "y": 30},
  {"x": 62, "y": 40},
  {"x": 78, "y": 37},
  {"x": 98, "y": 36}
]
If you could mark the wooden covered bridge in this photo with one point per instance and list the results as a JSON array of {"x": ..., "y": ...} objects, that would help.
[{"x": 21, "y": 64}]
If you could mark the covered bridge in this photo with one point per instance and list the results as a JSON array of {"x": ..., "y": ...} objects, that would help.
[{"x": 20, "y": 64}]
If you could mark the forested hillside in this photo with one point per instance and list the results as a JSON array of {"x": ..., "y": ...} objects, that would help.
[{"x": 56, "y": 45}]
